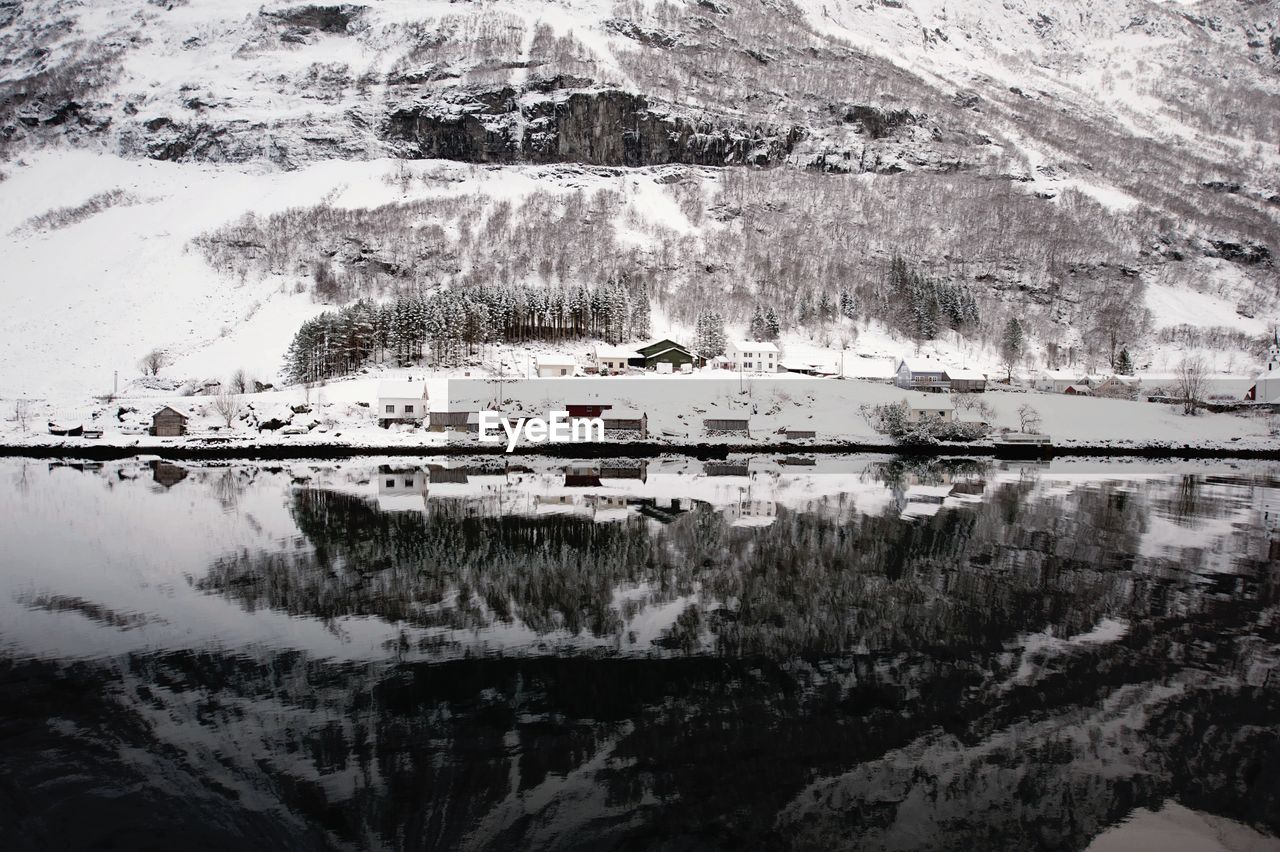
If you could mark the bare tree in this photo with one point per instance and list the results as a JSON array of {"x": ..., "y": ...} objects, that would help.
[
  {"x": 22, "y": 413},
  {"x": 227, "y": 404},
  {"x": 1011, "y": 347},
  {"x": 1029, "y": 418},
  {"x": 1119, "y": 319},
  {"x": 240, "y": 381},
  {"x": 153, "y": 362},
  {"x": 971, "y": 402},
  {"x": 1189, "y": 380}
]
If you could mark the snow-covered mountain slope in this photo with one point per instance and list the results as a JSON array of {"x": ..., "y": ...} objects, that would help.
[{"x": 1051, "y": 157}]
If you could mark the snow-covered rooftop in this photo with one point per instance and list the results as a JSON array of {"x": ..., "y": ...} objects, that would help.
[
  {"x": 965, "y": 374},
  {"x": 402, "y": 390},
  {"x": 556, "y": 359},
  {"x": 604, "y": 350},
  {"x": 941, "y": 403},
  {"x": 1062, "y": 375},
  {"x": 925, "y": 365},
  {"x": 753, "y": 346},
  {"x": 622, "y": 414}
]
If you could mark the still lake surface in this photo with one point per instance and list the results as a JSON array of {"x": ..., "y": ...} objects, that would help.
[{"x": 858, "y": 653}]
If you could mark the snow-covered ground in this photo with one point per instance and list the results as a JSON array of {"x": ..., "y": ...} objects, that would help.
[
  {"x": 86, "y": 294},
  {"x": 343, "y": 412}
]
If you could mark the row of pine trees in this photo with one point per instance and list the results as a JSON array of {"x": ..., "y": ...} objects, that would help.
[{"x": 448, "y": 325}]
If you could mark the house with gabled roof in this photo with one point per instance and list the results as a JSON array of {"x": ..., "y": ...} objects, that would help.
[
  {"x": 168, "y": 422},
  {"x": 665, "y": 351},
  {"x": 402, "y": 402},
  {"x": 922, "y": 374},
  {"x": 753, "y": 356}
]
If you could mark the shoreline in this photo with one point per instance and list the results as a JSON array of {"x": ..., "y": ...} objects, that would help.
[{"x": 635, "y": 449}]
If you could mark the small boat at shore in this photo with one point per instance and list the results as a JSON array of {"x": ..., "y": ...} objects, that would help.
[
  {"x": 66, "y": 431},
  {"x": 1023, "y": 445}
]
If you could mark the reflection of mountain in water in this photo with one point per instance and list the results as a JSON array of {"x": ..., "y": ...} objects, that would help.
[
  {"x": 1016, "y": 671},
  {"x": 1002, "y": 748}
]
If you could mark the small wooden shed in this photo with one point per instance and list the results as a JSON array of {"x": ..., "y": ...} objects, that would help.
[
  {"x": 626, "y": 420},
  {"x": 439, "y": 421},
  {"x": 726, "y": 424},
  {"x": 168, "y": 423}
]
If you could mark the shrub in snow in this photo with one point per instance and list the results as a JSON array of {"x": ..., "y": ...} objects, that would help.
[{"x": 894, "y": 420}]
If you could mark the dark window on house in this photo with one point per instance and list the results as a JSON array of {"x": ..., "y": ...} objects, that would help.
[
  {"x": 408, "y": 409},
  {"x": 391, "y": 483},
  {"x": 391, "y": 409}
]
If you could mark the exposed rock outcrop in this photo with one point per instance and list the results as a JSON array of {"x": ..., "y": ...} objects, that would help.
[
  {"x": 326, "y": 19},
  {"x": 608, "y": 128}
]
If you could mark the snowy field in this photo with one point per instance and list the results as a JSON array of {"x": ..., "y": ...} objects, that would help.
[{"x": 344, "y": 413}]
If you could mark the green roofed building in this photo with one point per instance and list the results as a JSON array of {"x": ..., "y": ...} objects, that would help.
[{"x": 662, "y": 352}]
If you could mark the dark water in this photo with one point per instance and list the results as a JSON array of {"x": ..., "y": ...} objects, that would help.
[{"x": 858, "y": 654}]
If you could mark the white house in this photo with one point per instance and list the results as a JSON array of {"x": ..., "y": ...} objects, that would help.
[
  {"x": 922, "y": 374},
  {"x": 402, "y": 489},
  {"x": 940, "y": 406},
  {"x": 1057, "y": 381},
  {"x": 556, "y": 365},
  {"x": 1267, "y": 386},
  {"x": 751, "y": 356},
  {"x": 402, "y": 402},
  {"x": 612, "y": 359}
]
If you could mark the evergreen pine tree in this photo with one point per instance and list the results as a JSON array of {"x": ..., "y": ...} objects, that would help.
[
  {"x": 758, "y": 330},
  {"x": 1011, "y": 344},
  {"x": 848, "y": 305},
  {"x": 772, "y": 325},
  {"x": 640, "y": 315}
]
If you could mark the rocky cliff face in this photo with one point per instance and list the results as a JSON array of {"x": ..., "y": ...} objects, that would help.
[{"x": 603, "y": 128}]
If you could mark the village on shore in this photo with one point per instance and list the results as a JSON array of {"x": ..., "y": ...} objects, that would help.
[{"x": 661, "y": 391}]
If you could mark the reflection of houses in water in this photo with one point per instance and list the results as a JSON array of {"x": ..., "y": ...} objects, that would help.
[
  {"x": 736, "y": 468},
  {"x": 608, "y": 508},
  {"x": 167, "y": 474},
  {"x": 601, "y": 508},
  {"x": 622, "y": 472},
  {"x": 926, "y": 499},
  {"x": 752, "y": 513},
  {"x": 402, "y": 489},
  {"x": 664, "y": 510},
  {"x": 617, "y": 474},
  {"x": 560, "y": 504},
  {"x": 923, "y": 501},
  {"x": 582, "y": 476}
]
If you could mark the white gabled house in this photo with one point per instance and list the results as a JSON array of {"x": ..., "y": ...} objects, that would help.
[
  {"x": 750, "y": 356},
  {"x": 609, "y": 360},
  {"x": 402, "y": 402},
  {"x": 1057, "y": 381},
  {"x": 940, "y": 407},
  {"x": 556, "y": 365}
]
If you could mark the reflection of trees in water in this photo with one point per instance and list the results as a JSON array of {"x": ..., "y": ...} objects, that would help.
[
  {"x": 951, "y": 733},
  {"x": 809, "y": 582}
]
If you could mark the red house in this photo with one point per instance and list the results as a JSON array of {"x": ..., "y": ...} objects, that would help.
[{"x": 588, "y": 411}]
